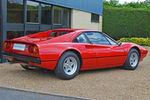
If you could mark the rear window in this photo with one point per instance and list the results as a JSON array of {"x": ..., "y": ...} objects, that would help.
[{"x": 58, "y": 33}]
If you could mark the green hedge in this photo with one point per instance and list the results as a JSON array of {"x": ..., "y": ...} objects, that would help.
[
  {"x": 126, "y": 22},
  {"x": 140, "y": 41}
]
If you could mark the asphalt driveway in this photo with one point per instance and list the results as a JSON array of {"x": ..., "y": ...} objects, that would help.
[
  {"x": 17, "y": 94},
  {"x": 103, "y": 84}
]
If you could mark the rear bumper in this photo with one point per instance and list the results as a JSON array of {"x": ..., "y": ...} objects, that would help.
[{"x": 23, "y": 58}]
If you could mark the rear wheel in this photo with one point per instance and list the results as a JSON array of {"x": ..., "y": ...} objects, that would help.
[
  {"x": 68, "y": 66},
  {"x": 132, "y": 60}
]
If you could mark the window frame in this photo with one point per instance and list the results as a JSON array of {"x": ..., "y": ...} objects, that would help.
[
  {"x": 111, "y": 40},
  {"x": 38, "y": 26},
  {"x": 74, "y": 40},
  {"x": 117, "y": 43},
  {"x": 26, "y": 26},
  {"x": 98, "y": 33}
]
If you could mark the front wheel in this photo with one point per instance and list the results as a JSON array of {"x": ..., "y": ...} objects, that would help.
[
  {"x": 68, "y": 66},
  {"x": 132, "y": 60}
]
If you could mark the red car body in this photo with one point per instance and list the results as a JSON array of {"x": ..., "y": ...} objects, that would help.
[{"x": 48, "y": 50}]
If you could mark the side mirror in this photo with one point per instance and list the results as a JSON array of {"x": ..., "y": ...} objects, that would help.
[{"x": 119, "y": 44}]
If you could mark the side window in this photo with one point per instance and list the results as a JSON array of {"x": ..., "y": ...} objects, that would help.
[
  {"x": 111, "y": 41},
  {"x": 81, "y": 39},
  {"x": 97, "y": 38}
]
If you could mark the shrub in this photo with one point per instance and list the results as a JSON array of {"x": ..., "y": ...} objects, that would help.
[
  {"x": 126, "y": 22},
  {"x": 140, "y": 41}
]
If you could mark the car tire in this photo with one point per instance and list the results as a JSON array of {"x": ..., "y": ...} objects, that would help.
[
  {"x": 68, "y": 66},
  {"x": 132, "y": 60},
  {"x": 26, "y": 67}
]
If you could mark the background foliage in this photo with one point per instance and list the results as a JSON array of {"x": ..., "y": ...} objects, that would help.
[
  {"x": 140, "y": 41},
  {"x": 127, "y": 20}
]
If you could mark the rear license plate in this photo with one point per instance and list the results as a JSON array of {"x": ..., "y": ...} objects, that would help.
[{"x": 19, "y": 47}]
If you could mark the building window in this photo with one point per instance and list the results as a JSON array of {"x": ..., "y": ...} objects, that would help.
[
  {"x": 32, "y": 11},
  {"x": 94, "y": 18},
  {"x": 46, "y": 14},
  {"x": 31, "y": 32},
  {"x": 14, "y": 34},
  {"x": 15, "y": 11},
  {"x": 66, "y": 14},
  {"x": 57, "y": 15}
]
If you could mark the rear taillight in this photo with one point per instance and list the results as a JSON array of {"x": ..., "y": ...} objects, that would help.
[
  {"x": 7, "y": 45},
  {"x": 33, "y": 49}
]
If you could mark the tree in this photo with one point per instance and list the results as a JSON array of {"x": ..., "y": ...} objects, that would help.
[
  {"x": 114, "y": 2},
  {"x": 147, "y": 2}
]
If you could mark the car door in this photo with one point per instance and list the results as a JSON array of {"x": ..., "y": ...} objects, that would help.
[
  {"x": 108, "y": 53},
  {"x": 88, "y": 55}
]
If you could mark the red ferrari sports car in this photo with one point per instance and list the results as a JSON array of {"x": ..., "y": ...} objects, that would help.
[{"x": 67, "y": 51}]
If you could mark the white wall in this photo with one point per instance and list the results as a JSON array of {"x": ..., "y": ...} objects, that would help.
[{"x": 82, "y": 20}]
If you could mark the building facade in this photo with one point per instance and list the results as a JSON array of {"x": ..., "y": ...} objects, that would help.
[{"x": 24, "y": 17}]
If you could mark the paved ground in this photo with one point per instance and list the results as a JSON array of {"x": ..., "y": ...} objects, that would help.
[
  {"x": 106, "y": 84},
  {"x": 17, "y": 94}
]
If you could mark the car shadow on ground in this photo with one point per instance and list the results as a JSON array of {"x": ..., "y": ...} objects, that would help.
[
  {"x": 37, "y": 72},
  {"x": 40, "y": 72}
]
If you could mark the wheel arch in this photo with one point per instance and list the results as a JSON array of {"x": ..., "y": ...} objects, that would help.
[
  {"x": 127, "y": 62},
  {"x": 135, "y": 47},
  {"x": 76, "y": 52}
]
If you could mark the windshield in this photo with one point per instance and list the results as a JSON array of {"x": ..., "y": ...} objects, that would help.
[{"x": 58, "y": 33}]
